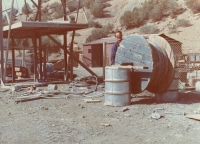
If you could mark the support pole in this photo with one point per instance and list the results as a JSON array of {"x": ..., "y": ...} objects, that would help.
[
  {"x": 35, "y": 55},
  {"x": 1, "y": 45},
  {"x": 40, "y": 59},
  {"x": 71, "y": 56},
  {"x": 9, "y": 35},
  {"x": 56, "y": 42},
  {"x": 104, "y": 59},
  {"x": 44, "y": 65},
  {"x": 7, "y": 16},
  {"x": 13, "y": 61},
  {"x": 65, "y": 56},
  {"x": 65, "y": 42}
]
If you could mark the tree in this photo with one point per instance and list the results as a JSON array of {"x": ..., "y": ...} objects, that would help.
[
  {"x": 50, "y": 46},
  {"x": 97, "y": 9},
  {"x": 26, "y": 9}
]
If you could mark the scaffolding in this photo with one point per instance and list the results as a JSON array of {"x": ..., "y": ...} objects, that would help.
[{"x": 35, "y": 28}]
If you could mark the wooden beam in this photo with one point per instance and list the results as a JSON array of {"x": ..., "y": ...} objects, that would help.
[
  {"x": 89, "y": 70},
  {"x": 1, "y": 45},
  {"x": 34, "y": 4},
  {"x": 13, "y": 62}
]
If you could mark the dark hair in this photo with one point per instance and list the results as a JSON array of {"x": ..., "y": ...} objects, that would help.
[{"x": 118, "y": 31}]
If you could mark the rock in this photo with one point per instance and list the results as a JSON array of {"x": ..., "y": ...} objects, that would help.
[
  {"x": 52, "y": 87},
  {"x": 155, "y": 116},
  {"x": 127, "y": 115},
  {"x": 125, "y": 109},
  {"x": 45, "y": 108},
  {"x": 15, "y": 87}
]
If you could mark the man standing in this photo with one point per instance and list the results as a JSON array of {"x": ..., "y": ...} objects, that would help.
[{"x": 118, "y": 36}]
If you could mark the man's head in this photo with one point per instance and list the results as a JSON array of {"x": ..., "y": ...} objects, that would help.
[{"x": 118, "y": 36}]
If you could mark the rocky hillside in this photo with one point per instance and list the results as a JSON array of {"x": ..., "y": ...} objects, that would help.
[{"x": 188, "y": 36}]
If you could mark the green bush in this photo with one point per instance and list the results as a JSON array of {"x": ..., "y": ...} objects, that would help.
[
  {"x": 26, "y": 9},
  {"x": 94, "y": 24},
  {"x": 97, "y": 9},
  {"x": 153, "y": 10},
  {"x": 50, "y": 46},
  {"x": 131, "y": 19},
  {"x": 194, "y": 5},
  {"x": 183, "y": 23},
  {"x": 45, "y": 14},
  {"x": 172, "y": 28},
  {"x": 149, "y": 29},
  {"x": 58, "y": 10},
  {"x": 99, "y": 33},
  {"x": 88, "y": 3},
  {"x": 156, "y": 13}
]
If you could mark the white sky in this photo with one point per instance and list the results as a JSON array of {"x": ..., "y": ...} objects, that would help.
[{"x": 19, "y": 2}]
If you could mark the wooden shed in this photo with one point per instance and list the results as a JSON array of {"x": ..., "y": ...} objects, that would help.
[{"x": 93, "y": 52}]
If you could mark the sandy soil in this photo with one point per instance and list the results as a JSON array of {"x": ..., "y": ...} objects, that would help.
[{"x": 70, "y": 120}]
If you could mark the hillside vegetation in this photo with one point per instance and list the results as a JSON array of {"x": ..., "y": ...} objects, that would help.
[{"x": 176, "y": 18}]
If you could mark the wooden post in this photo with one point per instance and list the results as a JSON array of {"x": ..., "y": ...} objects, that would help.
[
  {"x": 44, "y": 65},
  {"x": 65, "y": 42},
  {"x": 40, "y": 59},
  {"x": 35, "y": 55},
  {"x": 9, "y": 35},
  {"x": 71, "y": 56},
  {"x": 23, "y": 54},
  {"x": 84, "y": 66},
  {"x": 104, "y": 59},
  {"x": 65, "y": 56},
  {"x": 1, "y": 45},
  {"x": 13, "y": 61}
]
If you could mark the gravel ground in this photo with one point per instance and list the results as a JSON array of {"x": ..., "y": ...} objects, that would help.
[{"x": 70, "y": 120}]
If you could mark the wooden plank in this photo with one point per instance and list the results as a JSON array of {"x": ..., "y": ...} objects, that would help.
[
  {"x": 195, "y": 116},
  {"x": 134, "y": 67},
  {"x": 45, "y": 25},
  {"x": 91, "y": 100}
]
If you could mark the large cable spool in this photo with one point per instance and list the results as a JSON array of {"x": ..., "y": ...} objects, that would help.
[{"x": 152, "y": 51}]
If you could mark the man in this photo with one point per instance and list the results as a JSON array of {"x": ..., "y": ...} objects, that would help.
[{"x": 118, "y": 36}]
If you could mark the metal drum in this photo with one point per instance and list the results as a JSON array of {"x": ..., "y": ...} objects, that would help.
[{"x": 117, "y": 87}]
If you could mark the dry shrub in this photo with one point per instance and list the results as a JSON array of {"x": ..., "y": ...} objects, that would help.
[
  {"x": 194, "y": 5},
  {"x": 149, "y": 29},
  {"x": 183, "y": 23}
]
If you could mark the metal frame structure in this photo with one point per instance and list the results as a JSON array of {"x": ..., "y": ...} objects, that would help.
[{"x": 35, "y": 30}]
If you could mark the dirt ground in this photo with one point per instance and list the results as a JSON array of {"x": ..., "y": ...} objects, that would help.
[{"x": 70, "y": 120}]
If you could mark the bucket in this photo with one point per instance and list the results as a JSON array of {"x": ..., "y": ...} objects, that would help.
[{"x": 117, "y": 86}]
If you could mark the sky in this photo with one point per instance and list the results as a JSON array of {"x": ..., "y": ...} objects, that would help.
[{"x": 19, "y": 2}]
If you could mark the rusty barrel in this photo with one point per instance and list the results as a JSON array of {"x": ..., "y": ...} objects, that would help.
[
  {"x": 152, "y": 51},
  {"x": 117, "y": 86}
]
